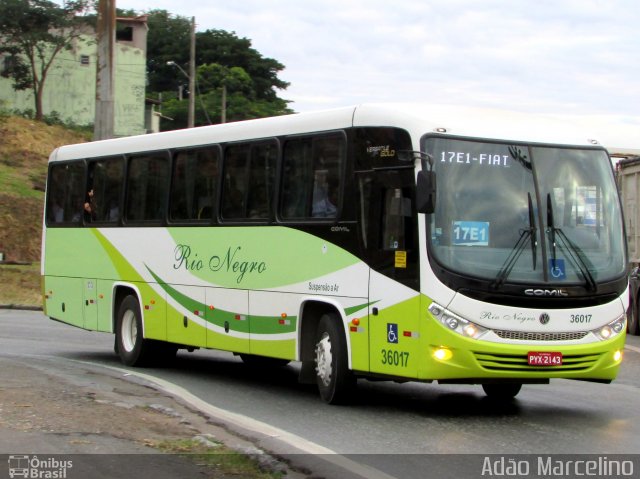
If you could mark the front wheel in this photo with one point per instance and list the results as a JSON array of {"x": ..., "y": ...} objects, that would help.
[
  {"x": 335, "y": 381},
  {"x": 502, "y": 392}
]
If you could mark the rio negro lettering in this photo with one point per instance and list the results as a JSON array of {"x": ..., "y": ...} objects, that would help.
[{"x": 230, "y": 262}]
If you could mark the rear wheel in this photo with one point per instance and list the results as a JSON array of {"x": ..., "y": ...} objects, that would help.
[
  {"x": 130, "y": 344},
  {"x": 502, "y": 392},
  {"x": 335, "y": 381}
]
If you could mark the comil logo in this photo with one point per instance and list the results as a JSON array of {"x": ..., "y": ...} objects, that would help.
[
  {"x": 33, "y": 467},
  {"x": 546, "y": 292}
]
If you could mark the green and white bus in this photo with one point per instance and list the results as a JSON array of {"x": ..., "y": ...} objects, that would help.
[{"x": 322, "y": 238}]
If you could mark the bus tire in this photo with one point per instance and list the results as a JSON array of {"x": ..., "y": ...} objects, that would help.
[
  {"x": 335, "y": 381},
  {"x": 633, "y": 327},
  {"x": 502, "y": 391},
  {"x": 131, "y": 346}
]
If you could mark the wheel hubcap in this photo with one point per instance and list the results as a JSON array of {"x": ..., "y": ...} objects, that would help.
[
  {"x": 129, "y": 331},
  {"x": 323, "y": 359}
]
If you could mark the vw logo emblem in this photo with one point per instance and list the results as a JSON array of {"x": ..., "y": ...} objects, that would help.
[{"x": 544, "y": 318}]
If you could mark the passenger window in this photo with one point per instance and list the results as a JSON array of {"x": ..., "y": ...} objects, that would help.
[
  {"x": 312, "y": 177},
  {"x": 234, "y": 189},
  {"x": 147, "y": 187},
  {"x": 194, "y": 184},
  {"x": 105, "y": 181},
  {"x": 249, "y": 172},
  {"x": 66, "y": 193},
  {"x": 261, "y": 181}
]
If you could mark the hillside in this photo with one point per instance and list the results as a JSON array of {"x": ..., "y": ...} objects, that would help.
[{"x": 25, "y": 146}]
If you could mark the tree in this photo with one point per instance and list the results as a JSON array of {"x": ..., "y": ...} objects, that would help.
[
  {"x": 241, "y": 101},
  {"x": 219, "y": 46},
  {"x": 167, "y": 40},
  {"x": 33, "y": 33},
  {"x": 223, "y": 61}
]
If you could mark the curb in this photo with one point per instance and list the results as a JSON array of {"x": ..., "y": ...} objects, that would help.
[{"x": 24, "y": 307}]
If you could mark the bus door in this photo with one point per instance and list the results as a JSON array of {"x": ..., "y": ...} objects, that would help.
[
  {"x": 90, "y": 305},
  {"x": 390, "y": 238}
]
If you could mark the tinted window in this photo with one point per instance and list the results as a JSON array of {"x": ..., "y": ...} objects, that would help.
[
  {"x": 249, "y": 172},
  {"x": 312, "y": 177},
  {"x": 105, "y": 181},
  {"x": 147, "y": 187},
  {"x": 261, "y": 181},
  {"x": 66, "y": 193},
  {"x": 194, "y": 184},
  {"x": 397, "y": 211},
  {"x": 381, "y": 147}
]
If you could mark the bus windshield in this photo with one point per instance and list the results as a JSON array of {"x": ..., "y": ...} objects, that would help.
[{"x": 525, "y": 214}]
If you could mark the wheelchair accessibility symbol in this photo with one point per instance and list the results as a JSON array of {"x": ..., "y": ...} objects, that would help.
[
  {"x": 392, "y": 333},
  {"x": 557, "y": 269}
]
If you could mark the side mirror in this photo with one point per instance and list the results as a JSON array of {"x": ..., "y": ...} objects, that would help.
[{"x": 426, "y": 192}]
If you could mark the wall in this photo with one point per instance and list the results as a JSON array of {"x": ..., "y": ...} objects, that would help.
[{"x": 70, "y": 87}]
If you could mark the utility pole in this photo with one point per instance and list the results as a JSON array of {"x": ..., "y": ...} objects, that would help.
[
  {"x": 192, "y": 75},
  {"x": 223, "y": 107},
  {"x": 106, "y": 32}
]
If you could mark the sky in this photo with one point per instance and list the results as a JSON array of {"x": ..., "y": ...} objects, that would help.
[{"x": 578, "y": 59}]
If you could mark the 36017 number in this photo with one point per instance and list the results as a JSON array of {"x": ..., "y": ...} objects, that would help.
[
  {"x": 391, "y": 357},
  {"x": 580, "y": 318}
]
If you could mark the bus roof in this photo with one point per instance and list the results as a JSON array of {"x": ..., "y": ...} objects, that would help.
[
  {"x": 418, "y": 119},
  {"x": 468, "y": 122}
]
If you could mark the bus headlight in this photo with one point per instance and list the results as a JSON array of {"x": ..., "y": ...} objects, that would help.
[
  {"x": 456, "y": 323},
  {"x": 612, "y": 329}
]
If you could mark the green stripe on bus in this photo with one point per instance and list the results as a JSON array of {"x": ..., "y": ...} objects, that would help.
[{"x": 256, "y": 325}]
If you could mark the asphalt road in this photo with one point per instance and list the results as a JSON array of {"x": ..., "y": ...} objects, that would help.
[{"x": 391, "y": 427}]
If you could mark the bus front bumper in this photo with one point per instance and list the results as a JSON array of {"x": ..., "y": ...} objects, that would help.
[{"x": 450, "y": 357}]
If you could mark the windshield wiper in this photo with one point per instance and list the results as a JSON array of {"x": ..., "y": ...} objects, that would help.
[
  {"x": 516, "y": 251},
  {"x": 575, "y": 254},
  {"x": 532, "y": 231}
]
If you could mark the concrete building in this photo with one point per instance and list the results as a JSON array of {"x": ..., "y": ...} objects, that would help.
[{"x": 70, "y": 87}]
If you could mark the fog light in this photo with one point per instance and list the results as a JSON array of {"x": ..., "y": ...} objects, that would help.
[
  {"x": 617, "y": 356},
  {"x": 442, "y": 354}
]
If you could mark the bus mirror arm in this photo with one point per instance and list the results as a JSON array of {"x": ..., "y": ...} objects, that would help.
[{"x": 426, "y": 192}]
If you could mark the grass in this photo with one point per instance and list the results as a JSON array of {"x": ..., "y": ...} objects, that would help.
[
  {"x": 221, "y": 460},
  {"x": 25, "y": 146},
  {"x": 20, "y": 285},
  {"x": 14, "y": 183}
]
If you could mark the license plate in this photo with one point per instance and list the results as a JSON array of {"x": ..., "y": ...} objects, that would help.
[{"x": 544, "y": 358}]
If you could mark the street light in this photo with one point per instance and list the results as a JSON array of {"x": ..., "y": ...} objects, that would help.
[{"x": 192, "y": 93}]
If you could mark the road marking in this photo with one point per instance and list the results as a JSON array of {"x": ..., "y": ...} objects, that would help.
[
  {"x": 293, "y": 440},
  {"x": 632, "y": 348}
]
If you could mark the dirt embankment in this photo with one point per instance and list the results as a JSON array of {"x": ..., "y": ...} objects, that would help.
[
  {"x": 25, "y": 146},
  {"x": 75, "y": 411},
  {"x": 20, "y": 228}
]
